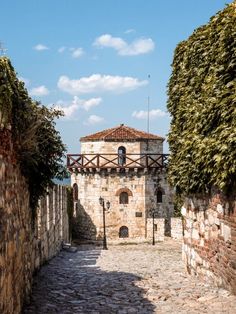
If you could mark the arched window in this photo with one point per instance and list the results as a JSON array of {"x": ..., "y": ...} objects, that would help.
[
  {"x": 75, "y": 192},
  {"x": 159, "y": 196},
  {"x": 124, "y": 198},
  {"x": 123, "y": 232},
  {"x": 121, "y": 155}
]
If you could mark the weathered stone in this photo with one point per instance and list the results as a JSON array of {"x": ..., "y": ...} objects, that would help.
[
  {"x": 141, "y": 185},
  {"x": 24, "y": 248},
  {"x": 211, "y": 239}
]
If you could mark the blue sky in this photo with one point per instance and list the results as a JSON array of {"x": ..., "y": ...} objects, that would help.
[{"x": 93, "y": 57}]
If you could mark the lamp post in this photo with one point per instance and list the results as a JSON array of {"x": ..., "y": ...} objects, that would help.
[
  {"x": 153, "y": 227},
  {"x": 102, "y": 203}
]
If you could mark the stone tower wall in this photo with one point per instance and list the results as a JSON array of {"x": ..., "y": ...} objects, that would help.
[
  {"x": 136, "y": 215},
  {"x": 105, "y": 183},
  {"x": 132, "y": 147},
  {"x": 89, "y": 215},
  {"x": 162, "y": 211}
]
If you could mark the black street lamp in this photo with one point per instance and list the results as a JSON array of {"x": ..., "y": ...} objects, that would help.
[
  {"x": 153, "y": 227},
  {"x": 102, "y": 203}
]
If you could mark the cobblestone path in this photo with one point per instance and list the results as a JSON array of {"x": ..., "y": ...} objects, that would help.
[{"x": 125, "y": 279}]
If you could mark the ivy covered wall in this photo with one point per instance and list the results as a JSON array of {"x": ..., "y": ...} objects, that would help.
[
  {"x": 202, "y": 104},
  {"x": 38, "y": 147}
]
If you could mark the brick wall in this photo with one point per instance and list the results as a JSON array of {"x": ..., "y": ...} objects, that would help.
[
  {"x": 209, "y": 247},
  {"x": 22, "y": 247}
]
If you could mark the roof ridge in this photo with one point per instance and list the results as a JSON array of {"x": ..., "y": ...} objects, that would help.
[
  {"x": 132, "y": 130},
  {"x": 112, "y": 131},
  {"x": 96, "y": 133},
  {"x": 122, "y": 132}
]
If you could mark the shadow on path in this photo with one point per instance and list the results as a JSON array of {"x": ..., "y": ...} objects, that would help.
[{"x": 72, "y": 283}]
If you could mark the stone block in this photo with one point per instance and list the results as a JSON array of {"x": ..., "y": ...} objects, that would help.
[
  {"x": 220, "y": 209},
  {"x": 195, "y": 234},
  {"x": 225, "y": 232}
]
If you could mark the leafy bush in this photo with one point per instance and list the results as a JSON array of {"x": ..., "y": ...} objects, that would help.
[
  {"x": 38, "y": 146},
  {"x": 202, "y": 104}
]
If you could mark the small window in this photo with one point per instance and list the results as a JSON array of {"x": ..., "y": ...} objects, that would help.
[
  {"x": 124, "y": 198},
  {"x": 121, "y": 155},
  {"x": 138, "y": 214},
  {"x": 159, "y": 196},
  {"x": 155, "y": 227},
  {"x": 75, "y": 192},
  {"x": 123, "y": 232}
]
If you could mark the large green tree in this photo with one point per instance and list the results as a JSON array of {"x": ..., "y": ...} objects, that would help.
[
  {"x": 38, "y": 146},
  {"x": 202, "y": 104}
]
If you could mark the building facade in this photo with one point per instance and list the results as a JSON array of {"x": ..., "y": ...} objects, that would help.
[{"x": 126, "y": 167}]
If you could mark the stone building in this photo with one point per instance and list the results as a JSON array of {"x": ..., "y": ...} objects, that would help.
[{"x": 126, "y": 167}]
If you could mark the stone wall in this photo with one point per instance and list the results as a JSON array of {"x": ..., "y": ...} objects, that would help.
[
  {"x": 109, "y": 147},
  {"x": 176, "y": 228},
  {"x": 15, "y": 232},
  {"x": 142, "y": 185},
  {"x": 24, "y": 245},
  {"x": 52, "y": 223},
  {"x": 136, "y": 215},
  {"x": 106, "y": 185},
  {"x": 209, "y": 247},
  {"x": 162, "y": 211}
]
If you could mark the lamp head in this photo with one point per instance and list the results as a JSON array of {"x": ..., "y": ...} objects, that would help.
[
  {"x": 101, "y": 200},
  {"x": 108, "y": 204}
]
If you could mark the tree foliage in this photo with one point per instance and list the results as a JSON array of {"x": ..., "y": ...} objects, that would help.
[
  {"x": 202, "y": 104},
  {"x": 38, "y": 146}
]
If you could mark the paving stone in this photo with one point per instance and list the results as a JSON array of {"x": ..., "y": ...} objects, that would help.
[{"x": 126, "y": 279}]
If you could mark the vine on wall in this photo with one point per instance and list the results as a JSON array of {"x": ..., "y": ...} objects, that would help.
[
  {"x": 37, "y": 144},
  {"x": 202, "y": 104}
]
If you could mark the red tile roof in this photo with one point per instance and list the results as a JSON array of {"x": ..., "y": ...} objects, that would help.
[{"x": 121, "y": 133}]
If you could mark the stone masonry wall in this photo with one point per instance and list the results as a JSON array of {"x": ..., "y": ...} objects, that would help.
[
  {"x": 142, "y": 183},
  {"x": 23, "y": 248},
  {"x": 52, "y": 223},
  {"x": 176, "y": 228},
  {"x": 15, "y": 232},
  {"x": 104, "y": 184},
  {"x": 136, "y": 215},
  {"x": 209, "y": 247}
]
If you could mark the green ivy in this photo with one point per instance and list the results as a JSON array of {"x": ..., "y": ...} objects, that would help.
[
  {"x": 202, "y": 104},
  {"x": 37, "y": 144}
]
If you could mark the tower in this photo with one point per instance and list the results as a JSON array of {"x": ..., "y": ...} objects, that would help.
[{"x": 126, "y": 167}]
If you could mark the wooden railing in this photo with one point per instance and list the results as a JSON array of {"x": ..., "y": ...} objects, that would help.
[{"x": 104, "y": 161}]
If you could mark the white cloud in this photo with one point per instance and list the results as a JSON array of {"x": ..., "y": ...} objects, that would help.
[
  {"x": 40, "y": 47},
  {"x": 76, "y": 104},
  {"x": 69, "y": 111},
  {"x": 90, "y": 103},
  {"x": 93, "y": 119},
  {"x": 99, "y": 83},
  {"x": 77, "y": 52},
  {"x": 61, "y": 49},
  {"x": 131, "y": 30},
  {"x": 154, "y": 113},
  {"x": 107, "y": 40},
  {"x": 137, "y": 47},
  {"x": 39, "y": 91}
]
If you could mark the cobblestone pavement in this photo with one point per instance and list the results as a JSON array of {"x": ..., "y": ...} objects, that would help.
[{"x": 125, "y": 279}]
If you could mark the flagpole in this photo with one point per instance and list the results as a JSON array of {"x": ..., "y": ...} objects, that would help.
[{"x": 148, "y": 109}]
